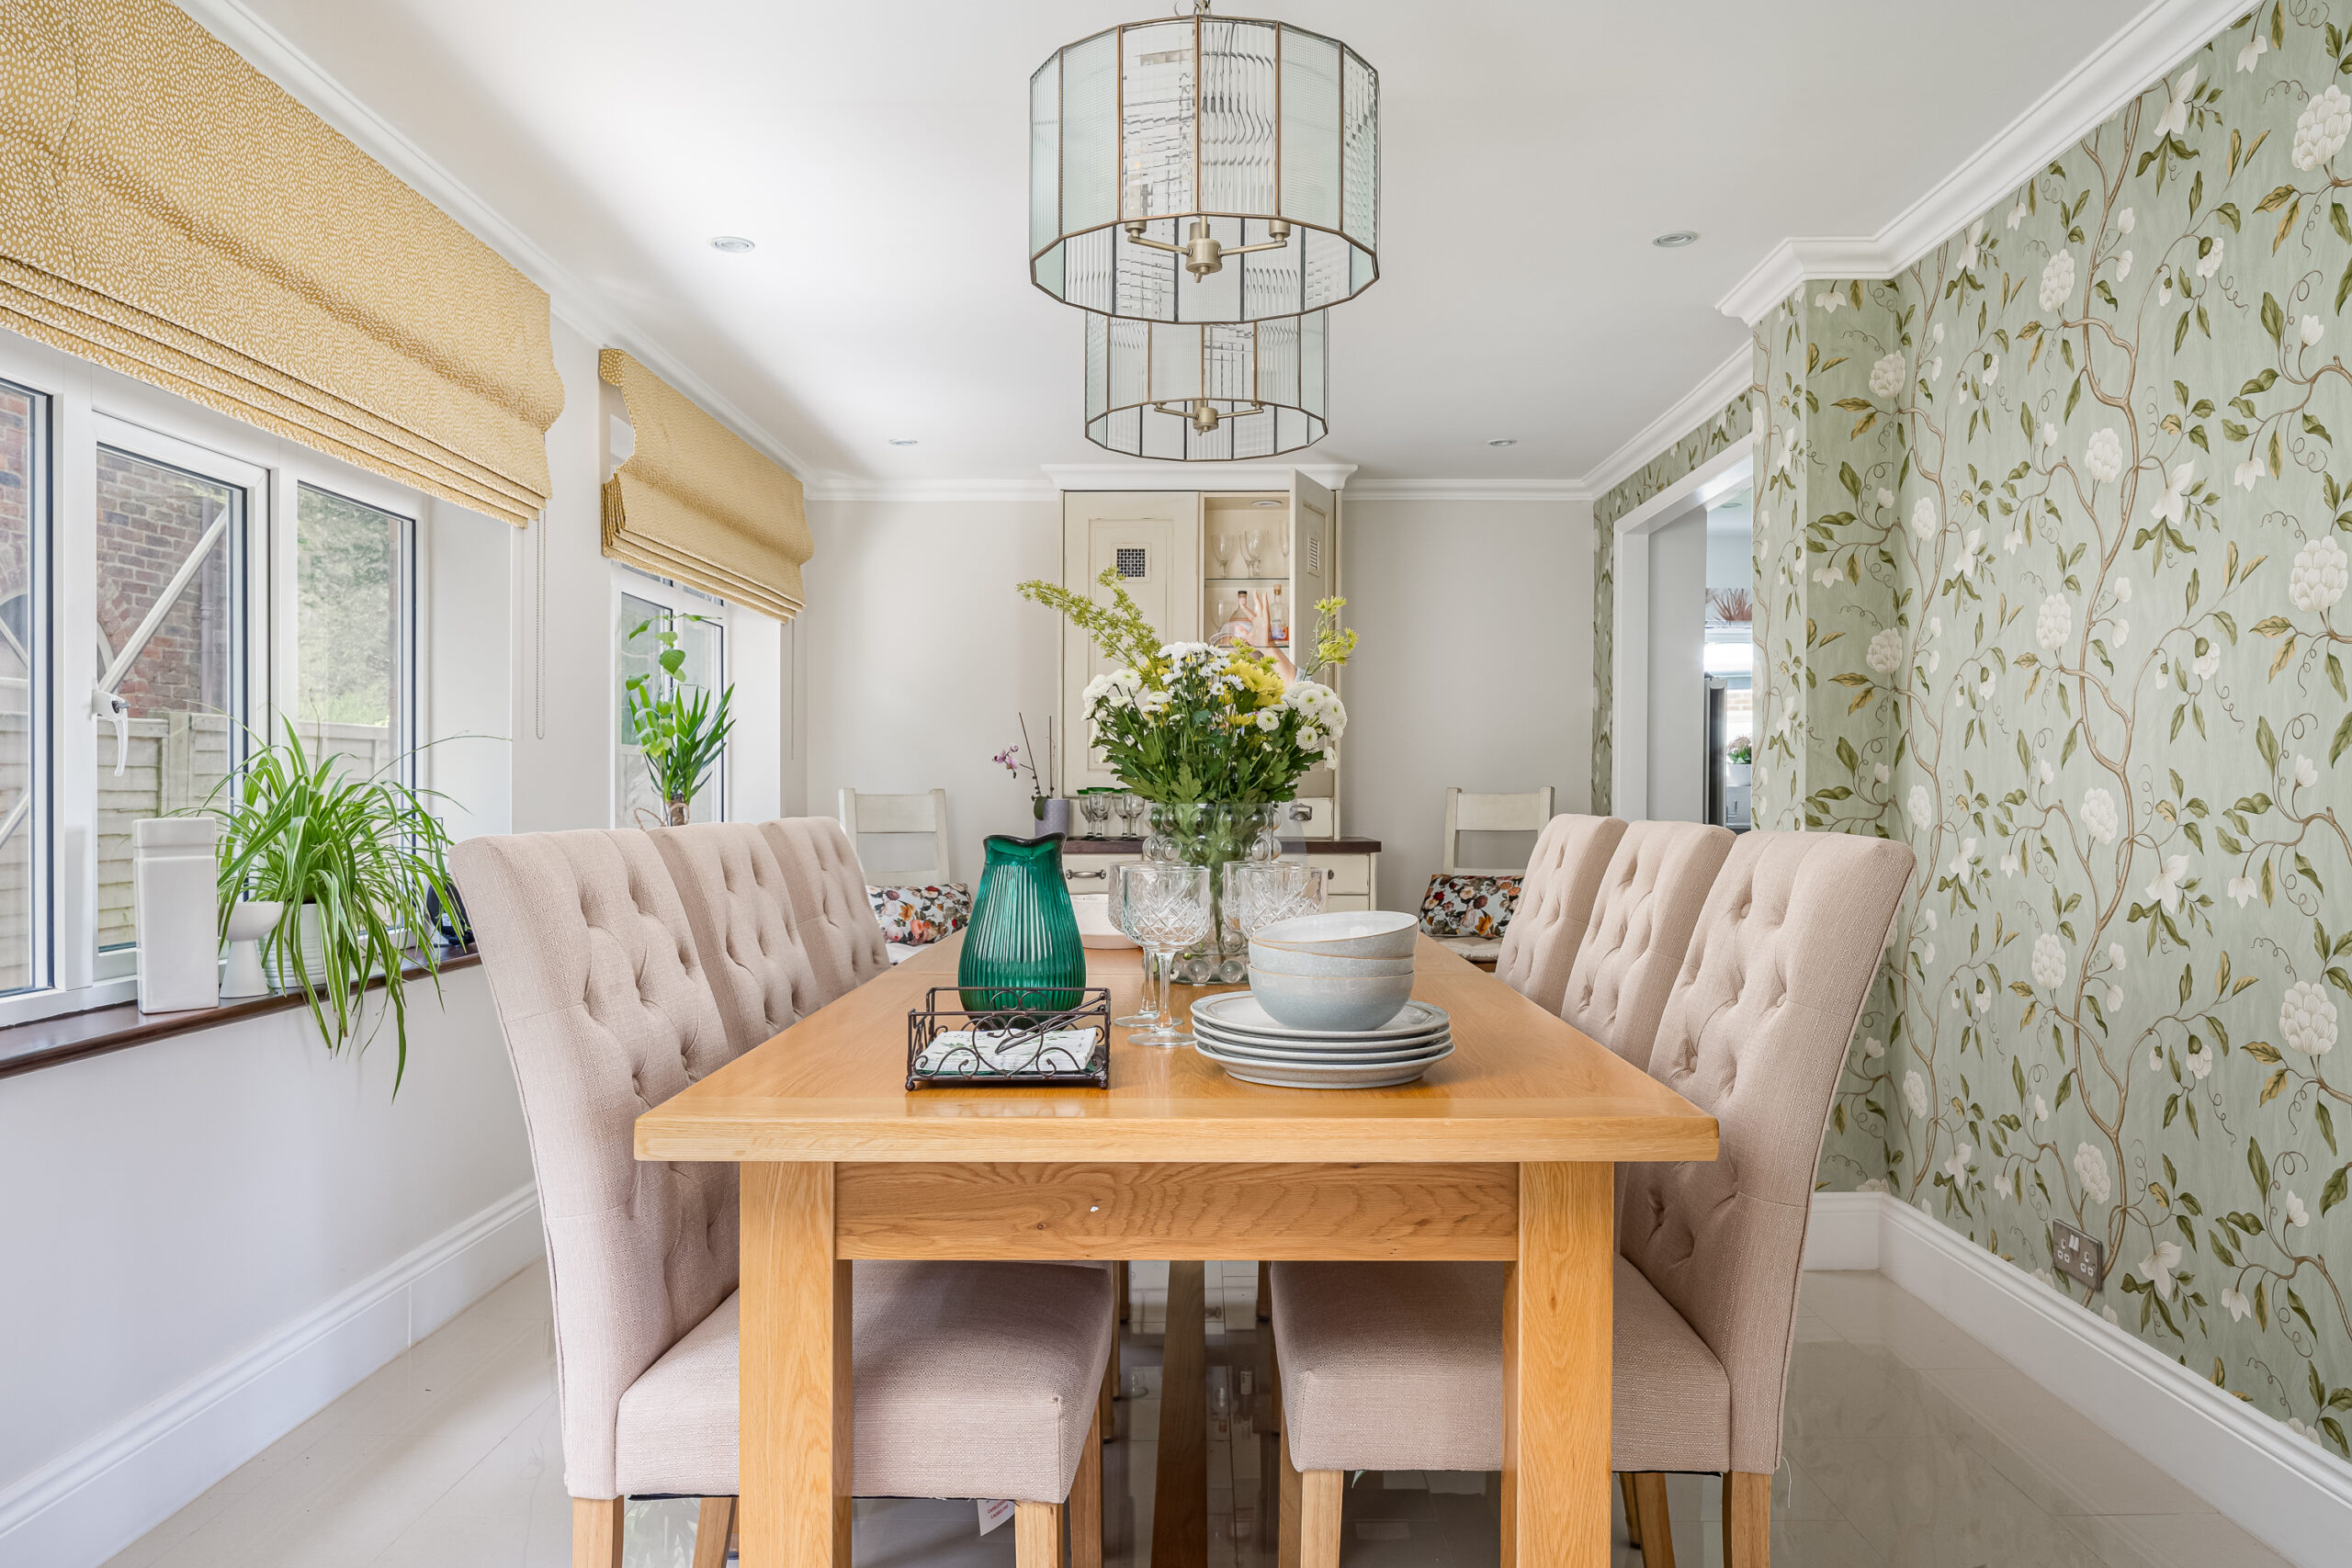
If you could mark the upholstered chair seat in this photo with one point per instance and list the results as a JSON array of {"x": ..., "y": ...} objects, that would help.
[
  {"x": 1399, "y": 1366},
  {"x": 1477, "y": 948},
  {"x": 1556, "y": 900},
  {"x": 968, "y": 1380}
]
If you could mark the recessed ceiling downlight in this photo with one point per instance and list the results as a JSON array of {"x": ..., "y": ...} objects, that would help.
[
  {"x": 1504, "y": 441},
  {"x": 1675, "y": 239},
  {"x": 732, "y": 245},
  {"x": 902, "y": 441},
  {"x": 1266, "y": 505}
]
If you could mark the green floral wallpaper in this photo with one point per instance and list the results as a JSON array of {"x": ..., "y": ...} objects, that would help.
[
  {"x": 2051, "y": 546},
  {"x": 1660, "y": 471}
]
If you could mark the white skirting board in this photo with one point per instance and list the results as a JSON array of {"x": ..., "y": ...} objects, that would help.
[
  {"x": 89, "y": 1504},
  {"x": 2293, "y": 1495}
]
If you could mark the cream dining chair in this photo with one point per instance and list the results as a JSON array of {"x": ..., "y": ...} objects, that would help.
[
  {"x": 836, "y": 922},
  {"x": 1399, "y": 1366},
  {"x": 1651, "y": 893},
  {"x": 1525, "y": 812},
  {"x": 1555, "y": 901},
  {"x": 968, "y": 1380}
]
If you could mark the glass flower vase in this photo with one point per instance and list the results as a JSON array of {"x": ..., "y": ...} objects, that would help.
[
  {"x": 1210, "y": 834},
  {"x": 1023, "y": 933}
]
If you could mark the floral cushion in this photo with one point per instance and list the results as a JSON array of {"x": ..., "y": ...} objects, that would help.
[
  {"x": 1469, "y": 905},
  {"x": 917, "y": 916}
]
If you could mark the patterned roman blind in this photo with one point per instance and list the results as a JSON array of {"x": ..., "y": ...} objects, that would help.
[
  {"x": 696, "y": 503},
  {"x": 167, "y": 211}
]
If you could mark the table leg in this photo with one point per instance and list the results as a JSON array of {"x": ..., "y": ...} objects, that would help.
[
  {"x": 795, "y": 1511},
  {"x": 1556, "y": 1370},
  {"x": 1180, "y": 1508}
]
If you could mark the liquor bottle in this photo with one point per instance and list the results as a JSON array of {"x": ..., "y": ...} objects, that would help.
[{"x": 1277, "y": 619}]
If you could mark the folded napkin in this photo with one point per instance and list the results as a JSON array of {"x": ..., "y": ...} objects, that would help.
[{"x": 1007, "y": 1051}]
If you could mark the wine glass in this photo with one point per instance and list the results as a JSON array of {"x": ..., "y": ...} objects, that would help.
[
  {"x": 1130, "y": 808},
  {"x": 1253, "y": 544},
  {"x": 1222, "y": 544},
  {"x": 1146, "y": 1015},
  {"x": 1165, "y": 907},
  {"x": 1260, "y": 892},
  {"x": 1096, "y": 809}
]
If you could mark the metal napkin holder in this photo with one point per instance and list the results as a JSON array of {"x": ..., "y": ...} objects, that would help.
[{"x": 1050, "y": 1067}]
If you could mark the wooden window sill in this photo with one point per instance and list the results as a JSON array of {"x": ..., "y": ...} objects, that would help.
[{"x": 70, "y": 1037}]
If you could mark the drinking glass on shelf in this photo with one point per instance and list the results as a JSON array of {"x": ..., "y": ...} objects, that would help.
[
  {"x": 1130, "y": 808},
  {"x": 1222, "y": 544},
  {"x": 1253, "y": 544},
  {"x": 1260, "y": 892},
  {"x": 1096, "y": 809},
  {"x": 1164, "y": 907}
]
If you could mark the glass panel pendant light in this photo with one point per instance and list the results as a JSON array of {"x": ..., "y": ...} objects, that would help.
[
  {"x": 1205, "y": 169},
  {"x": 1206, "y": 393}
]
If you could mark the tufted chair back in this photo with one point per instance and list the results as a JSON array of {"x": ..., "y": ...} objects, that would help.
[
  {"x": 1650, "y": 897},
  {"x": 1555, "y": 899},
  {"x": 836, "y": 920},
  {"x": 738, "y": 904},
  {"x": 1756, "y": 1033},
  {"x": 606, "y": 1015}
]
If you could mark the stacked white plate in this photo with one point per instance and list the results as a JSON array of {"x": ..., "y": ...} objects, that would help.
[{"x": 1236, "y": 1033}]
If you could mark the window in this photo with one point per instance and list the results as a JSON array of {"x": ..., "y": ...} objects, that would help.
[
  {"x": 201, "y": 580},
  {"x": 352, "y": 640},
  {"x": 169, "y": 541},
  {"x": 657, "y": 617},
  {"x": 24, "y": 644}
]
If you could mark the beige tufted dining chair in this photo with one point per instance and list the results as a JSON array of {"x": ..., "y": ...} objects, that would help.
[
  {"x": 1650, "y": 900},
  {"x": 1399, "y": 1366},
  {"x": 968, "y": 1380},
  {"x": 835, "y": 918},
  {"x": 1555, "y": 899}
]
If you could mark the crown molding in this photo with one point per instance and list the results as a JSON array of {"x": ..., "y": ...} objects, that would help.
[
  {"x": 2146, "y": 49},
  {"x": 1694, "y": 408},
  {"x": 1468, "y": 489},
  {"x": 1195, "y": 475},
  {"x": 589, "y": 309}
]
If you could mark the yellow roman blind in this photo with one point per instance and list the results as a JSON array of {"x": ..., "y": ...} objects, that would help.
[
  {"x": 167, "y": 211},
  {"x": 696, "y": 501}
]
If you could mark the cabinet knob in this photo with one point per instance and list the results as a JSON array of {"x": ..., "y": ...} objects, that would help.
[{"x": 1085, "y": 876}]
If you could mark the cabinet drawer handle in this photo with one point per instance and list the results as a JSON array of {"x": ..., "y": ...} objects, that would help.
[{"x": 1085, "y": 876}]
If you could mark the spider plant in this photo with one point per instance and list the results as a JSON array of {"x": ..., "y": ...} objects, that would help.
[
  {"x": 681, "y": 734},
  {"x": 361, "y": 853}
]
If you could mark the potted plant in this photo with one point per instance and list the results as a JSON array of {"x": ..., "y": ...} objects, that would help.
[
  {"x": 677, "y": 727},
  {"x": 1741, "y": 760},
  {"x": 1049, "y": 811},
  {"x": 356, "y": 863}
]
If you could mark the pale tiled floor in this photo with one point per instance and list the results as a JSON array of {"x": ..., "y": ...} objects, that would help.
[{"x": 1909, "y": 1445}]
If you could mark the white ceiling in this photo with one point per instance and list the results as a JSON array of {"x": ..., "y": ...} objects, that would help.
[{"x": 877, "y": 152}]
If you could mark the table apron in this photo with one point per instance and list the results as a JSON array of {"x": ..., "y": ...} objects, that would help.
[{"x": 997, "y": 1211}]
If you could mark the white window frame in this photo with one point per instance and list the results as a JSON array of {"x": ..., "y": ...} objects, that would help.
[
  {"x": 678, "y": 599},
  {"x": 90, "y": 406}
]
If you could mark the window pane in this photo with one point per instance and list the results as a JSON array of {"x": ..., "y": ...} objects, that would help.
[
  {"x": 643, "y": 626},
  {"x": 178, "y": 686},
  {"x": 347, "y": 644},
  {"x": 23, "y": 906}
]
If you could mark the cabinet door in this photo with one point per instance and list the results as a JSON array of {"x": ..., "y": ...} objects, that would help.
[
  {"x": 1153, "y": 539},
  {"x": 1312, "y": 571}
]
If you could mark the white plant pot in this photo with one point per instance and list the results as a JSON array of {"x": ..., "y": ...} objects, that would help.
[
  {"x": 314, "y": 957},
  {"x": 249, "y": 921},
  {"x": 1736, "y": 775}
]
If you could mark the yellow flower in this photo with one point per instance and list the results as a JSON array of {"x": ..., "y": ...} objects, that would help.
[{"x": 1259, "y": 679}]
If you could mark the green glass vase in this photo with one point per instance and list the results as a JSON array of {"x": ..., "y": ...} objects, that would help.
[{"x": 1023, "y": 933}]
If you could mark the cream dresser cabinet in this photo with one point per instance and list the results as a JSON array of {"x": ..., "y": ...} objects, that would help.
[{"x": 1187, "y": 557}]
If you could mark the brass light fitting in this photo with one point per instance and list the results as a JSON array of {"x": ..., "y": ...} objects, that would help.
[
  {"x": 1203, "y": 255},
  {"x": 1203, "y": 415}
]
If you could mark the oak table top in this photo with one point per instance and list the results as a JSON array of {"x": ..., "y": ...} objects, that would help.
[{"x": 1521, "y": 1086}]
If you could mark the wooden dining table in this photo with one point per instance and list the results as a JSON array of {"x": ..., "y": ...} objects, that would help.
[{"x": 1503, "y": 1152}]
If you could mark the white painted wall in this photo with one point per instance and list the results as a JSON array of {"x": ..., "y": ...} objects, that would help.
[
  {"x": 1678, "y": 591},
  {"x": 209, "y": 1237},
  {"x": 1475, "y": 669},
  {"x": 920, "y": 659}
]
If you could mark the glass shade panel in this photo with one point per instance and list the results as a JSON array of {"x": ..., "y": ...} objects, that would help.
[
  {"x": 1266, "y": 380},
  {"x": 1239, "y": 123}
]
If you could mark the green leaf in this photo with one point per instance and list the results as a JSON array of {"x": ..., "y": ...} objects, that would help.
[
  {"x": 2274, "y": 320},
  {"x": 2266, "y": 740},
  {"x": 2257, "y": 1165}
]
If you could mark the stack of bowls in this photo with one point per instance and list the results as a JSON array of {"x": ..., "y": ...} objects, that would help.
[{"x": 1343, "y": 971}]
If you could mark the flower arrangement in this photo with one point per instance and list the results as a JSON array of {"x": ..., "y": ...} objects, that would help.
[
  {"x": 1188, "y": 722},
  {"x": 1742, "y": 750}
]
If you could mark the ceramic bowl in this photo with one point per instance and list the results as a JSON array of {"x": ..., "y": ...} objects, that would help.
[
  {"x": 1339, "y": 965},
  {"x": 1349, "y": 932},
  {"x": 1316, "y": 1001}
]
